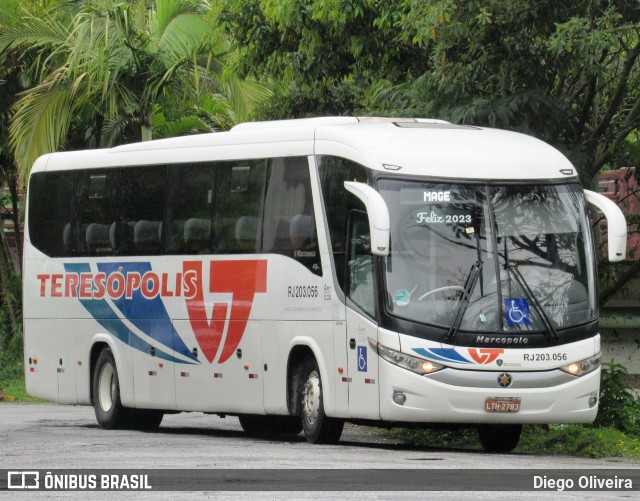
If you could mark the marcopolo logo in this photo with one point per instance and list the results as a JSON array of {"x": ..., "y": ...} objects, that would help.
[
  {"x": 135, "y": 292},
  {"x": 485, "y": 355}
]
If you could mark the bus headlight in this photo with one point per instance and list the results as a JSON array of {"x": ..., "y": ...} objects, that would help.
[
  {"x": 414, "y": 364},
  {"x": 582, "y": 367}
]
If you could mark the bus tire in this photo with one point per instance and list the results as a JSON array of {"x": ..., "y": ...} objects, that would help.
[
  {"x": 317, "y": 426},
  {"x": 257, "y": 425},
  {"x": 499, "y": 437},
  {"x": 145, "y": 419},
  {"x": 110, "y": 413}
]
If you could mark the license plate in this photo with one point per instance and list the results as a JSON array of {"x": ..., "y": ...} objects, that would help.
[{"x": 497, "y": 404}]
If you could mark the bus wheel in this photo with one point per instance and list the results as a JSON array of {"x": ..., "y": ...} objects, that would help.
[
  {"x": 499, "y": 437},
  {"x": 106, "y": 393},
  {"x": 317, "y": 427},
  {"x": 145, "y": 419}
]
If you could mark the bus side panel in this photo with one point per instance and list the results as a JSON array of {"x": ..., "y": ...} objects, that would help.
[
  {"x": 68, "y": 355},
  {"x": 364, "y": 379},
  {"x": 275, "y": 342},
  {"x": 40, "y": 364},
  {"x": 242, "y": 373},
  {"x": 57, "y": 352},
  {"x": 50, "y": 341},
  {"x": 153, "y": 376},
  {"x": 230, "y": 385}
]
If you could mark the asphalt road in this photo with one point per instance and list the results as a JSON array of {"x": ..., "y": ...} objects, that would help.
[{"x": 50, "y": 437}]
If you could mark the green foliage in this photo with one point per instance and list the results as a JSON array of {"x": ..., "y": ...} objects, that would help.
[
  {"x": 618, "y": 406},
  {"x": 567, "y": 72},
  {"x": 463, "y": 438},
  {"x": 577, "y": 440},
  {"x": 11, "y": 343},
  {"x": 325, "y": 53},
  {"x": 99, "y": 70},
  {"x": 569, "y": 440}
]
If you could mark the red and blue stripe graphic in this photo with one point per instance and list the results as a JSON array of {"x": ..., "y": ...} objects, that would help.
[{"x": 148, "y": 315}]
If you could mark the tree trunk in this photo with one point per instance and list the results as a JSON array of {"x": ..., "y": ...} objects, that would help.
[
  {"x": 13, "y": 188},
  {"x": 147, "y": 127}
]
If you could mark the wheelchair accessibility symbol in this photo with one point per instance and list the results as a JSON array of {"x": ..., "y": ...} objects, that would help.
[
  {"x": 517, "y": 311},
  {"x": 362, "y": 359}
]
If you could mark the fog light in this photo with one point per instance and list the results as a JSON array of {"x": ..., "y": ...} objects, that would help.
[
  {"x": 593, "y": 400},
  {"x": 399, "y": 398}
]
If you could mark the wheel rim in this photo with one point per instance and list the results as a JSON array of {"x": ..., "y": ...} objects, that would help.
[
  {"x": 311, "y": 398},
  {"x": 106, "y": 387}
]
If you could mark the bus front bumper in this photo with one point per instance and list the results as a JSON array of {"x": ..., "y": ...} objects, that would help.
[{"x": 409, "y": 397}]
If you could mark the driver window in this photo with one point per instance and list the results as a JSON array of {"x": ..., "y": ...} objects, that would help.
[{"x": 360, "y": 264}]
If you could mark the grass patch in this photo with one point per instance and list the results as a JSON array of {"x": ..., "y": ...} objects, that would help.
[
  {"x": 569, "y": 440},
  {"x": 15, "y": 391},
  {"x": 12, "y": 371}
]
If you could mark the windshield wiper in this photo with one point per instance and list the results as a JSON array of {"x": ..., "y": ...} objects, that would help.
[
  {"x": 469, "y": 286},
  {"x": 551, "y": 332}
]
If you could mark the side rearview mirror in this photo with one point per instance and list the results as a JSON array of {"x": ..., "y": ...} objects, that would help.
[
  {"x": 378, "y": 214},
  {"x": 616, "y": 224}
]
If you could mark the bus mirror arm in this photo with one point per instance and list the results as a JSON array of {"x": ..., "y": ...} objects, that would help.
[
  {"x": 616, "y": 224},
  {"x": 378, "y": 214}
]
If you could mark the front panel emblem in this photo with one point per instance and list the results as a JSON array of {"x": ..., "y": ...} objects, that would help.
[{"x": 504, "y": 379}]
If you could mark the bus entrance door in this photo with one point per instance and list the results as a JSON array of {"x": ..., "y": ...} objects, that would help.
[{"x": 364, "y": 397}]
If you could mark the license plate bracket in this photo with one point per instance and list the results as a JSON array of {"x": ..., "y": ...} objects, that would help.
[{"x": 502, "y": 404}]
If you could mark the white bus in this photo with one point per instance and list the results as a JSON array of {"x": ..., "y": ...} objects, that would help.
[{"x": 303, "y": 273}]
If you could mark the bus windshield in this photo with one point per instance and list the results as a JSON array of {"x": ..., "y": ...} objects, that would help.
[{"x": 504, "y": 258}]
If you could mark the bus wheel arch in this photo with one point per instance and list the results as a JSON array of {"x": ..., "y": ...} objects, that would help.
[
  {"x": 105, "y": 394},
  {"x": 305, "y": 397},
  {"x": 297, "y": 358},
  {"x": 96, "y": 349}
]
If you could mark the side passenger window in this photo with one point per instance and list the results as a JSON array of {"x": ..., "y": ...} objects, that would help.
[
  {"x": 238, "y": 206},
  {"x": 141, "y": 210},
  {"x": 50, "y": 217},
  {"x": 93, "y": 230},
  {"x": 289, "y": 222},
  {"x": 189, "y": 209},
  {"x": 215, "y": 208}
]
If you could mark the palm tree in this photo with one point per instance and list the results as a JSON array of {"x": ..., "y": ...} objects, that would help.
[{"x": 117, "y": 65}]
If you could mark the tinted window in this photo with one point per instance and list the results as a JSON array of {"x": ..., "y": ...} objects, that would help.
[
  {"x": 338, "y": 203},
  {"x": 289, "y": 224},
  {"x": 93, "y": 228},
  {"x": 215, "y": 208},
  {"x": 360, "y": 272},
  {"x": 189, "y": 209},
  {"x": 50, "y": 196},
  {"x": 237, "y": 200},
  {"x": 141, "y": 210}
]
